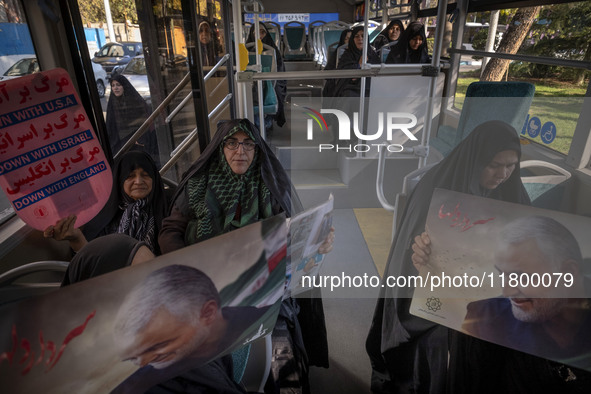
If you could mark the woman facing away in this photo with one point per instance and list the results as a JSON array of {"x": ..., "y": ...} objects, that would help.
[
  {"x": 136, "y": 206},
  {"x": 407, "y": 353},
  {"x": 412, "y": 46},
  {"x": 237, "y": 181},
  {"x": 126, "y": 112}
]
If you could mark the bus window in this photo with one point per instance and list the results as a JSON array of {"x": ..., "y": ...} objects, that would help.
[
  {"x": 553, "y": 34},
  {"x": 18, "y": 59}
]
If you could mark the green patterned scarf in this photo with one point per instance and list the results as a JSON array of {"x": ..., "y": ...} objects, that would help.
[{"x": 217, "y": 193}]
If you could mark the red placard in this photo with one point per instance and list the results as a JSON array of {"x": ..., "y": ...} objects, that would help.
[{"x": 51, "y": 163}]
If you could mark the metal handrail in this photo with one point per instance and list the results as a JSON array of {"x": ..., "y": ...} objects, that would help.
[
  {"x": 148, "y": 122},
  {"x": 190, "y": 139},
  {"x": 525, "y": 58},
  {"x": 213, "y": 70}
]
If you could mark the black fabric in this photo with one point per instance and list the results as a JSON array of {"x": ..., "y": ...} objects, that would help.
[
  {"x": 107, "y": 220},
  {"x": 383, "y": 38},
  {"x": 401, "y": 346},
  {"x": 351, "y": 87},
  {"x": 280, "y": 85},
  {"x": 331, "y": 64},
  {"x": 125, "y": 114},
  {"x": 103, "y": 255},
  {"x": 402, "y": 53}
]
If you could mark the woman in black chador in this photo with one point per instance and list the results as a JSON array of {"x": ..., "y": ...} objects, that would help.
[
  {"x": 390, "y": 35},
  {"x": 407, "y": 353},
  {"x": 126, "y": 112},
  {"x": 351, "y": 59},
  {"x": 412, "y": 46}
]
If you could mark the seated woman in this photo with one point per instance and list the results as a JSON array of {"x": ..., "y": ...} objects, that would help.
[
  {"x": 390, "y": 35},
  {"x": 412, "y": 46},
  {"x": 407, "y": 353},
  {"x": 280, "y": 85},
  {"x": 352, "y": 59},
  {"x": 331, "y": 62},
  {"x": 237, "y": 181},
  {"x": 126, "y": 112},
  {"x": 136, "y": 206}
]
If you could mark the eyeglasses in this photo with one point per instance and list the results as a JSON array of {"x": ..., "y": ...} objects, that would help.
[{"x": 233, "y": 145}]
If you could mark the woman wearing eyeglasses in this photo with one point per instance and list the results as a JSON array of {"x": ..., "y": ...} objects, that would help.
[{"x": 237, "y": 181}]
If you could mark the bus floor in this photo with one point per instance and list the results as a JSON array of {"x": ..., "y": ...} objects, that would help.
[{"x": 359, "y": 235}]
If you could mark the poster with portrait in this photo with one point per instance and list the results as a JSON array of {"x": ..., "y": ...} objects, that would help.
[
  {"x": 307, "y": 231},
  {"x": 106, "y": 334},
  {"x": 511, "y": 274},
  {"x": 51, "y": 162}
]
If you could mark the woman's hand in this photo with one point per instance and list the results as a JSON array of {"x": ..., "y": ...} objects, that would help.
[
  {"x": 64, "y": 229},
  {"x": 327, "y": 245},
  {"x": 421, "y": 252}
]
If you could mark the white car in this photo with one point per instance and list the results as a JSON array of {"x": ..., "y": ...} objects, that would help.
[{"x": 30, "y": 65}]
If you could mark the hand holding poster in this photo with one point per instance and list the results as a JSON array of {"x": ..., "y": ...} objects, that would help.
[
  {"x": 308, "y": 232},
  {"x": 510, "y": 274},
  {"x": 51, "y": 163}
]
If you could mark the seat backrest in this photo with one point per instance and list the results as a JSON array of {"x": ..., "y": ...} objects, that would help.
[
  {"x": 275, "y": 31},
  {"x": 506, "y": 101},
  {"x": 385, "y": 50},
  {"x": 313, "y": 45},
  {"x": 340, "y": 51},
  {"x": 268, "y": 57},
  {"x": 294, "y": 40},
  {"x": 331, "y": 33},
  {"x": 544, "y": 182}
]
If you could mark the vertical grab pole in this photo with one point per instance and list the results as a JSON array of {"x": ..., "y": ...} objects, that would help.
[
  {"x": 435, "y": 63},
  {"x": 260, "y": 98},
  {"x": 241, "y": 93},
  {"x": 361, "y": 118}
]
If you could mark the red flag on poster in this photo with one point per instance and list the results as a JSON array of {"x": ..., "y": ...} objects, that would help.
[{"x": 51, "y": 163}]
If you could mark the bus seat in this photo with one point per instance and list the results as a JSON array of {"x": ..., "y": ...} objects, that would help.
[
  {"x": 330, "y": 34},
  {"x": 313, "y": 45},
  {"x": 275, "y": 31},
  {"x": 544, "y": 182},
  {"x": 45, "y": 277},
  {"x": 340, "y": 51},
  {"x": 294, "y": 41},
  {"x": 385, "y": 51},
  {"x": 507, "y": 101},
  {"x": 258, "y": 365}
]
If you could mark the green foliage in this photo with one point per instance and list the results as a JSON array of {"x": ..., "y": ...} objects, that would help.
[
  {"x": 93, "y": 11},
  {"x": 562, "y": 31}
]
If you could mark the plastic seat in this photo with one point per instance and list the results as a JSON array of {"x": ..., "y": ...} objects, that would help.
[
  {"x": 340, "y": 51},
  {"x": 330, "y": 33},
  {"x": 313, "y": 45},
  {"x": 275, "y": 31},
  {"x": 506, "y": 101},
  {"x": 294, "y": 41},
  {"x": 544, "y": 182},
  {"x": 268, "y": 64},
  {"x": 48, "y": 277},
  {"x": 385, "y": 51}
]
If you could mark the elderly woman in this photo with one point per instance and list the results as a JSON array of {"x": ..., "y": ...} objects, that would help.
[
  {"x": 390, "y": 35},
  {"x": 237, "y": 181},
  {"x": 136, "y": 206},
  {"x": 407, "y": 353}
]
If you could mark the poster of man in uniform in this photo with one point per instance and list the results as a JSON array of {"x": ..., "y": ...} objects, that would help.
[{"x": 510, "y": 274}]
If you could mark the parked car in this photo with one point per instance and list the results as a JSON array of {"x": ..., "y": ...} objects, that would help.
[
  {"x": 135, "y": 71},
  {"x": 116, "y": 54},
  {"x": 30, "y": 65},
  {"x": 26, "y": 66}
]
